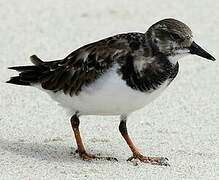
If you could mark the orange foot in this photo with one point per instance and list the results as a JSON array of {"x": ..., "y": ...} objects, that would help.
[
  {"x": 153, "y": 160},
  {"x": 87, "y": 156}
]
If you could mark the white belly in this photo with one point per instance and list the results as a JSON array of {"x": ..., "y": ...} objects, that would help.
[{"x": 109, "y": 95}]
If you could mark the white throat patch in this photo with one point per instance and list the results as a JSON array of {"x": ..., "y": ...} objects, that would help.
[{"x": 179, "y": 54}]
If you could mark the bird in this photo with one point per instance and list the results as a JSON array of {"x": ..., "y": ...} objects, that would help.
[{"x": 114, "y": 76}]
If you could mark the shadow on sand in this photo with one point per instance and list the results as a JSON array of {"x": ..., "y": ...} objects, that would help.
[{"x": 41, "y": 151}]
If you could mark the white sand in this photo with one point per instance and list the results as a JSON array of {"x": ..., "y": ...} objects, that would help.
[{"x": 182, "y": 124}]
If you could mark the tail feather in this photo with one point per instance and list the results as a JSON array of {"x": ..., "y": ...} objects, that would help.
[
  {"x": 29, "y": 74},
  {"x": 16, "y": 80},
  {"x": 23, "y": 68},
  {"x": 37, "y": 61}
]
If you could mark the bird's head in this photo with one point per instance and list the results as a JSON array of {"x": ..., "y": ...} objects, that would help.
[{"x": 174, "y": 39}]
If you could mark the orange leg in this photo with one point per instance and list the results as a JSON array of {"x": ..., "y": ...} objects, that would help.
[
  {"x": 135, "y": 151},
  {"x": 81, "y": 150}
]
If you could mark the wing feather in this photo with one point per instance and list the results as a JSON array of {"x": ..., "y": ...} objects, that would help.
[
  {"x": 82, "y": 66},
  {"x": 86, "y": 64}
]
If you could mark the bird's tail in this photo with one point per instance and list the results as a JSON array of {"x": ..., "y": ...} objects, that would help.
[{"x": 29, "y": 74}]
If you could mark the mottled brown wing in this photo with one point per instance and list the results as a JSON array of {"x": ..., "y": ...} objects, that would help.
[{"x": 83, "y": 66}]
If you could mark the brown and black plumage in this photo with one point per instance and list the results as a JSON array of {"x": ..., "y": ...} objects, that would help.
[
  {"x": 114, "y": 76},
  {"x": 82, "y": 66}
]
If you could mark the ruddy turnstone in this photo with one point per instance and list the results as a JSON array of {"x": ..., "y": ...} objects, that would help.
[{"x": 114, "y": 76}]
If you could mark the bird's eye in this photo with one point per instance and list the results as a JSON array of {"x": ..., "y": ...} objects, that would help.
[{"x": 175, "y": 36}]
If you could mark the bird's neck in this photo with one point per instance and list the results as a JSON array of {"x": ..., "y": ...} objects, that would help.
[{"x": 151, "y": 76}]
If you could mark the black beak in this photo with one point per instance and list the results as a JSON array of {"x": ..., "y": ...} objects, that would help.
[{"x": 196, "y": 49}]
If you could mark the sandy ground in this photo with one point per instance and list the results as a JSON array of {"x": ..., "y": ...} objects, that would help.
[{"x": 182, "y": 124}]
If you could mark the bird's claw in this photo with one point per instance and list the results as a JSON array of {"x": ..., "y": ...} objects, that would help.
[
  {"x": 162, "y": 161},
  {"x": 87, "y": 156}
]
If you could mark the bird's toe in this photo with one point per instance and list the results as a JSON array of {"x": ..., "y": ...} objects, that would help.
[{"x": 162, "y": 161}]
